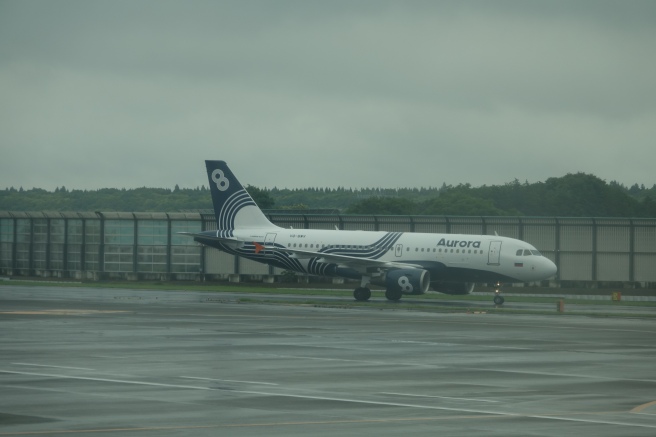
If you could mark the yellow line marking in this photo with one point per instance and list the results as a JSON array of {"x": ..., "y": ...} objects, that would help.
[{"x": 639, "y": 408}]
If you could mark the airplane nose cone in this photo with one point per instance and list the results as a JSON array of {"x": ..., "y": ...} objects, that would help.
[{"x": 551, "y": 268}]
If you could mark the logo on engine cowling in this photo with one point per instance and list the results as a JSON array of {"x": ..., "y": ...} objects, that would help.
[
  {"x": 459, "y": 243},
  {"x": 404, "y": 283}
]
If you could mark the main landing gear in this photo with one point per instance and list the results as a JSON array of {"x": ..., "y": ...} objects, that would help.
[
  {"x": 393, "y": 295},
  {"x": 363, "y": 293},
  {"x": 498, "y": 299}
]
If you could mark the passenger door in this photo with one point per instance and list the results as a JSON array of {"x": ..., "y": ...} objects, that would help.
[{"x": 494, "y": 253}]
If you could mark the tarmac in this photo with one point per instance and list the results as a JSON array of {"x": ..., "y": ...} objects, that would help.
[{"x": 84, "y": 361}]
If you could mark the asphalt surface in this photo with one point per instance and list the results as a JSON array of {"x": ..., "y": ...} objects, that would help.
[{"x": 126, "y": 362}]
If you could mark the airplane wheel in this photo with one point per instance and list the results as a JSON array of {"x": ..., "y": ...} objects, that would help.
[
  {"x": 362, "y": 294},
  {"x": 498, "y": 300},
  {"x": 393, "y": 294}
]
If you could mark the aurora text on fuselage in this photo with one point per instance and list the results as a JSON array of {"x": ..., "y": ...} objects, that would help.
[{"x": 458, "y": 243}]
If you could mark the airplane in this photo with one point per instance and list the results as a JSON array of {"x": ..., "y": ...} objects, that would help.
[{"x": 401, "y": 262}]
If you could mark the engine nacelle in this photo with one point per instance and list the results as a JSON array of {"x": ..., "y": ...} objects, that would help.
[
  {"x": 408, "y": 281},
  {"x": 453, "y": 287}
]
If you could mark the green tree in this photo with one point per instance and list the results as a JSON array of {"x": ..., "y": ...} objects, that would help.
[
  {"x": 383, "y": 206},
  {"x": 261, "y": 197},
  {"x": 460, "y": 202}
]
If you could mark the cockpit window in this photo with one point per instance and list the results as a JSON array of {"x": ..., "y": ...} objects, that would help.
[
  {"x": 536, "y": 252},
  {"x": 527, "y": 252},
  {"x": 519, "y": 252}
]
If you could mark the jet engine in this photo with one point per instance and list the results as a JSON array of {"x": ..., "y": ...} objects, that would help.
[
  {"x": 406, "y": 281},
  {"x": 453, "y": 287}
]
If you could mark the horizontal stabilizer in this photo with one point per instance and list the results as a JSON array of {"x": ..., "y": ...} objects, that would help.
[{"x": 209, "y": 236}]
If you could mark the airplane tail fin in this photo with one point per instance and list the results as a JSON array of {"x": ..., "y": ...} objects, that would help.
[{"x": 234, "y": 208}]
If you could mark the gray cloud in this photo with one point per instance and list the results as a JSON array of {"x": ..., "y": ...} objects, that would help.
[{"x": 301, "y": 93}]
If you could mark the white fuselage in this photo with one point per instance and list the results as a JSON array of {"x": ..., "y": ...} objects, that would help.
[{"x": 445, "y": 254}]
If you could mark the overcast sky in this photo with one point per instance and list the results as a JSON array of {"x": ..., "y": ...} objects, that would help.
[{"x": 331, "y": 93}]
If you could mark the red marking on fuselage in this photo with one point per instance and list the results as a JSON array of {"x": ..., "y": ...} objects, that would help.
[{"x": 258, "y": 247}]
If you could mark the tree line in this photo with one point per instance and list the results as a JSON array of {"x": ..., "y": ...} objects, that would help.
[{"x": 573, "y": 195}]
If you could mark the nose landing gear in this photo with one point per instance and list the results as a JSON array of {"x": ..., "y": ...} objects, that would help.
[{"x": 498, "y": 299}]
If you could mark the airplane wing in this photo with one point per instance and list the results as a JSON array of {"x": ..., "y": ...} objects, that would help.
[{"x": 350, "y": 261}]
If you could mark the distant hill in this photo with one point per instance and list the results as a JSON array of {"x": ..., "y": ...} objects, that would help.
[{"x": 573, "y": 195}]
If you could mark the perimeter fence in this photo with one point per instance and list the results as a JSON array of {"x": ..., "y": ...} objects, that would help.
[{"x": 120, "y": 245}]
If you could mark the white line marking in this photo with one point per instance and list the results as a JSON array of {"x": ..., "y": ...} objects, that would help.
[
  {"x": 459, "y": 344},
  {"x": 228, "y": 380},
  {"x": 381, "y": 363},
  {"x": 357, "y": 401},
  {"x": 56, "y": 367},
  {"x": 120, "y": 381},
  {"x": 569, "y": 375},
  {"x": 439, "y": 397},
  {"x": 108, "y": 356},
  {"x": 467, "y": 410}
]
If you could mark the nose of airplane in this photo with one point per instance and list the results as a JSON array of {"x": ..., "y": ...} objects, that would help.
[{"x": 550, "y": 268}]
